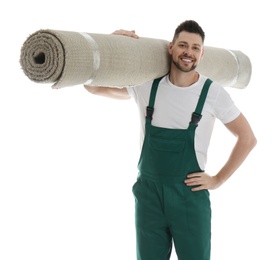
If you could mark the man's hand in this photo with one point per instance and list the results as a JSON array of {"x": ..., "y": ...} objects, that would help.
[
  {"x": 126, "y": 33},
  {"x": 202, "y": 181}
]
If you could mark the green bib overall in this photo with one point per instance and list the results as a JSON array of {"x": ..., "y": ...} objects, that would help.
[{"x": 166, "y": 210}]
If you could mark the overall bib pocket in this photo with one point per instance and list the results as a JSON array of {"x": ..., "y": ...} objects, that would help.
[{"x": 166, "y": 156}]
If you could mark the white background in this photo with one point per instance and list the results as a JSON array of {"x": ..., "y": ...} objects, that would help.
[{"x": 68, "y": 158}]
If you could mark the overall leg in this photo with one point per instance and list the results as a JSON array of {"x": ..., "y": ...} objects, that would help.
[
  {"x": 190, "y": 215},
  {"x": 153, "y": 237}
]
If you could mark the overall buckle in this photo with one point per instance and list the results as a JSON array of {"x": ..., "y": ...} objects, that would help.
[
  {"x": 149, "y": 112},
  {"x": 195, "y": 118}
]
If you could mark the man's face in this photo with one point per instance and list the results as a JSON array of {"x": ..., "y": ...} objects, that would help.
[{"x": 186, "y": 51}]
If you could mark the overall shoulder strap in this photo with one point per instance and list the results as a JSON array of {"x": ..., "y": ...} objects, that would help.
[
  {"x": 150, "y": 107},
  {"x": 196, "y": 116}
]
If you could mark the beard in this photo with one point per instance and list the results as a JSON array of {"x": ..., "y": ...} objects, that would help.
[{"x": 184, "y": 69}]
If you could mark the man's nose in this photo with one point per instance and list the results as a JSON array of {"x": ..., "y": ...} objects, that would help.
[{"x": 187, "y": 53}]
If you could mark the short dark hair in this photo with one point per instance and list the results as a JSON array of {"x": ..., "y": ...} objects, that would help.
[{"x": 189, "y": 26}]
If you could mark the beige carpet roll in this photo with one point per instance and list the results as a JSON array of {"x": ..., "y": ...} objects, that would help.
[{"x": 66, "y": 58}]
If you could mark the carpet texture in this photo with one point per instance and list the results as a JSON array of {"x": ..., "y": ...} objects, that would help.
[{"x": 66, "y": 58}]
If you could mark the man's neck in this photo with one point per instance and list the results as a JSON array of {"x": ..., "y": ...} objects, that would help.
[{"x": 183, "y": 79}]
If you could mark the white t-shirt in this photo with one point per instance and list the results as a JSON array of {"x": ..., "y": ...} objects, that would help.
[{"x": 174, "y": 106}]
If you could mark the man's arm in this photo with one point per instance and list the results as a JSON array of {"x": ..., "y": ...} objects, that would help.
[
  {"x": 115, "y": 93},
  {"x": 245, "y": 142}
]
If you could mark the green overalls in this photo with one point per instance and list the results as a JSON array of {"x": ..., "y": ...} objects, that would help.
[{"x": 166, "y": 209}]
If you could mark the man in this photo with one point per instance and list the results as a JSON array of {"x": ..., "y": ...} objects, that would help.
[{"x": 177, "y": 114}]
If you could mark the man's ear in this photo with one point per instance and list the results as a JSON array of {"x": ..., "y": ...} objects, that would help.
[
  {"x": 170, "y": 48},
  {"x": 202, "y": 54}
]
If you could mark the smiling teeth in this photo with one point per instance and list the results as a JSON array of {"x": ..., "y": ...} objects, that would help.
[{"x": 187, "y": 60}]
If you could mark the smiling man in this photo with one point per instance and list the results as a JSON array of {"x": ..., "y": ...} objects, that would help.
[{"x": 177, "y": 114}]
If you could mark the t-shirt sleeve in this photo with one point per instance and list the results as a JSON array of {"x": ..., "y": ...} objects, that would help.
[
  {"x": 225, "y": 108},
  {"x": 131, "y": 92},
  {"x": 140, "y": 93}
]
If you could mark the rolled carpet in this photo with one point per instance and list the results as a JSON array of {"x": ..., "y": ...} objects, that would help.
[{"x": 66, "y": 58}]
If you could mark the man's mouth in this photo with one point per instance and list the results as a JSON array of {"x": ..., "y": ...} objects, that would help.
[{"x": 187, "y": 60}]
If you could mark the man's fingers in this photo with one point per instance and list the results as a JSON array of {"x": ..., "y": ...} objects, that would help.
[
  {"x": 193, "y": 182},
  {"x": 131, "y": 33}
]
